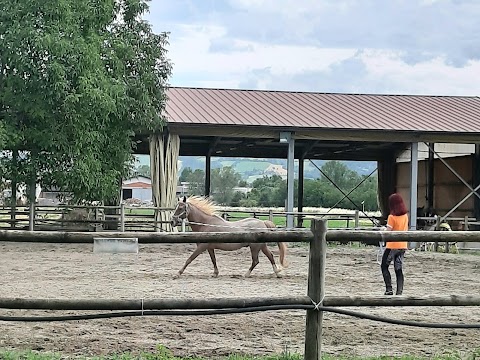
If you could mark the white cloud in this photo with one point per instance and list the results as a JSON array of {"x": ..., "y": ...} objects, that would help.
[
  {"x": 190, "y": 53},
  {"x": 434, "y": 76},
  {"x": 417, "y": 47}
]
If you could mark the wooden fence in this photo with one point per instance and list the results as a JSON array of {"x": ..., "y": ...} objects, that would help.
[
  {"x": 132, "y": 218},
  {"x": 81, "y": 217},
  {"x": 314, "y": 302}
]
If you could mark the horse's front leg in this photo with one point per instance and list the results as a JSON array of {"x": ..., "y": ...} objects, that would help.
[
  {"x": 200, "y": 248},
  {"x": 211, "y": 252}
]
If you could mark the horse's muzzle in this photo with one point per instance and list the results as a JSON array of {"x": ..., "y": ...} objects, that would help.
[{"x": 175, "y": 221}]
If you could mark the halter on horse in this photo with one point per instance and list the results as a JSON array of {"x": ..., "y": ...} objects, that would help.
[{"x": 202, "y": 217}]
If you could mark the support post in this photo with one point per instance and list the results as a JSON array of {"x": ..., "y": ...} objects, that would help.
[
  {"x": 431, "y": 176},
  {"x": 13, "y": 187},
  {"x": 301, "y": 176},
  {"x": 357, "y": 219},
  {"x": 476, "y": 182},
  {"x": 413, "y": 185},
  {"x": 208, "y": 167},
  {"x": 32, "y": 197},
  {"x": 31, "y": 217},
  {"x": 95, "y": 228},
  {"x": 438, "y": 221},
  {"x": 316, "y": 289},
  {"x": 290, "y": 179}
]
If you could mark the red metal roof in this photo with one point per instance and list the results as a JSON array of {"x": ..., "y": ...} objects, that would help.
[
  {"x": 321, "y": 110},
  {"x": 137, "y": 185}
]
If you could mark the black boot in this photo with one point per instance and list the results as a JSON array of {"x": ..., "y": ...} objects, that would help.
[
  {"x": 386, "y": 274},
  {"x": 400, "y": 278},
  {"x": 388, "y": 281}
]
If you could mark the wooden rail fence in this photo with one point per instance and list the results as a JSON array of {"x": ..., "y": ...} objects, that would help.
[{"x": 317, "y": 237}]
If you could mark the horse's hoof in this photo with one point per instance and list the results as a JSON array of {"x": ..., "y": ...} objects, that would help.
[
  {"x": 247, "y": 274},
  {"x": 176, "y": 276},
  {"x": 215, "y": 275},
  {"x": 279, "y": 275}
]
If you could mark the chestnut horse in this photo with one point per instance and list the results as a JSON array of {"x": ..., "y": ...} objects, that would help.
[{"x": 202, "y": 216}]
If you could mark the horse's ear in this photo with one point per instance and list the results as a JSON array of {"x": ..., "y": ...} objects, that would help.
[{"x": 184, "y": 199}]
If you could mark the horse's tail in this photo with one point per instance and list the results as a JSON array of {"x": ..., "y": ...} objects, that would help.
[{"x": 282, "y": 247}]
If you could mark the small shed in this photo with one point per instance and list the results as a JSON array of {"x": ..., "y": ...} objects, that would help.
[{"x": 139, "y": 187}]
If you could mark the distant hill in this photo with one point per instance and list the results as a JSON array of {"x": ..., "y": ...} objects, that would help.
[
  {"x": 250, "y": 169},
  {"x": 254, "y": 168}
]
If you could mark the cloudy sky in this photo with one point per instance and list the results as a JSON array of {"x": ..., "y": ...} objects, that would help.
[{"x": 349, "y": 46}]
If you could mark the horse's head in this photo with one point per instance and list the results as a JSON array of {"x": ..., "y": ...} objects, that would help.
[
  {"x": 181, "y": 212},
  {"x": 426, "y": 224}
]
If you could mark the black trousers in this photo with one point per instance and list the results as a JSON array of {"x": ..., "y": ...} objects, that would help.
[{"x": 395, "y": 255}]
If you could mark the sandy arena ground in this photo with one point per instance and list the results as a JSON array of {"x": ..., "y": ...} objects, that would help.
[{"x": 74, "y": 271}]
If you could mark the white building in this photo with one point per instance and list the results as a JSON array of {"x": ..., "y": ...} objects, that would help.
[{"x": 139, "y": 187}]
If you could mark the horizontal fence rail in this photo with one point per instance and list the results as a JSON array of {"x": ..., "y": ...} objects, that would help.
[
  {"x": 158, "y": 238},
  {"x": 221, "y": 303},
  {"x": 258, "y": 236},
  {"x": 396, "y": 236}
]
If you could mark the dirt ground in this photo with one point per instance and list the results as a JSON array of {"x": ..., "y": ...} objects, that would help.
[{"x": 74, "y": 271}]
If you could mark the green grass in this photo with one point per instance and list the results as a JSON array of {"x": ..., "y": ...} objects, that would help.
[
  {"x": 139, "y": 211},
  {"x": 281, "y": 221},
  {"x": 163, "y": 353}
]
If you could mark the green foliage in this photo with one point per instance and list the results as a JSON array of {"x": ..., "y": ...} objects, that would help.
[
  {"x": 322, "y": 193},
  {"x": 272, "y": 190},
  {"x": 2, "y": 134},
  {"x": 78, "y": 79},
  {"x": 269, "y": 191},
  {"x": 143, "y": 170},
  {"x": 195, "y": 179},
  {"x": 223, "y": 182}
]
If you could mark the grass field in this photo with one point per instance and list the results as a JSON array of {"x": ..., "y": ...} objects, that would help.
[
  {"x": 164, "y": 354},
  {"x": 281, "y": 221}
]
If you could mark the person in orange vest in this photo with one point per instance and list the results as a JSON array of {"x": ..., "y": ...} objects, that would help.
[{"x": 395, "y": 251}]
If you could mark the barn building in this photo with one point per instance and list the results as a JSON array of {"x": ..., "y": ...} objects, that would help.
[{"x": 406, "y": 135}]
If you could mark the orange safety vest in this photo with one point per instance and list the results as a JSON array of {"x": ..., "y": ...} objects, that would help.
[{"x": 397, "y": 223}]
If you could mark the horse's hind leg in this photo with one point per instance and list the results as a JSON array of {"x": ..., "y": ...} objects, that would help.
[
  {"x": 270, "y": 257},
  {"x": 211, "y": 252},
  {"x": 254, "y": 250},
  {"x": 200, "y": 248}
]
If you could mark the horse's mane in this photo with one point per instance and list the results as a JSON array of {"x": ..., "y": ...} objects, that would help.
[{"x": 204, "y": 204}]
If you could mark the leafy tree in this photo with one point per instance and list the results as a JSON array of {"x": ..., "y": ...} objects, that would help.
[
  {"x": 143, "y": 170},
  {"x": 237, "y": 199},
  {"x": 77, "y": 80},
  {"x": 2, "y": 134},
  {"x": 269, "y": 191},
  {"x": 248, "y": 202},
  {"x": 195, "y": 179},
  {"x": 186, "y": 172},
  {"x": 272, "y": 191},
  {"x": 223, "y": 182},
  {"x": 340, "y": 174}
]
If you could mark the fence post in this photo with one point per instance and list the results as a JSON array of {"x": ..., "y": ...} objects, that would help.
[
  {"x": 357, "y": 219},
  {"x": 122, "y": 217},
  {"x": 316, "y": 289},
  {"x": 95, "y": 228},
  {"x": 437, "y": 227},
  {"x": 270, "y": 215}
]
